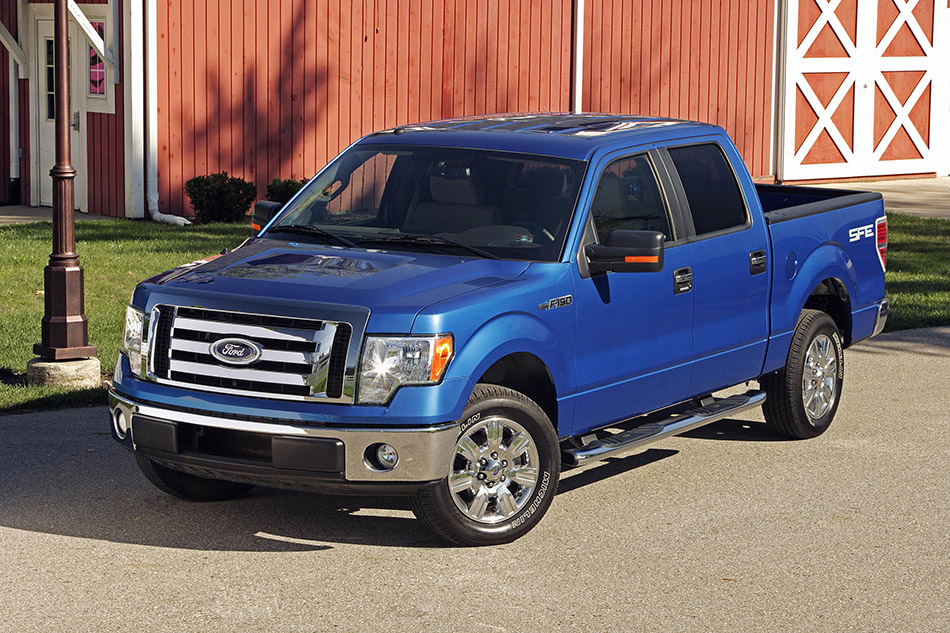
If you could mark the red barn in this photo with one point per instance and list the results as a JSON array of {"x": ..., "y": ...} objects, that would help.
[{"x": 809, "y": 89}]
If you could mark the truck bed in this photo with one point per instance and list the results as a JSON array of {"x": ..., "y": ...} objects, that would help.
[
  {"x": 811, "y": 230},
  {"x": 787, "y": 202}
]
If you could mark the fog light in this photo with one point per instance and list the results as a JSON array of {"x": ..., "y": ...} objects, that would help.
[
  {"x": 121, "y": 424},
  {"x": 387, "y": 456},
  {"x": 380, "y": 458}
]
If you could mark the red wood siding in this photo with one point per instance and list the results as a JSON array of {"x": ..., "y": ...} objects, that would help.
[
  {"x": 705, "y": 60},
  {"x": 275, "y": 89},
  {"x": 105, "y": 153}
]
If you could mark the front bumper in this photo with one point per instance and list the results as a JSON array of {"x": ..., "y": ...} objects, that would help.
[{"x": 283, "y": 453}]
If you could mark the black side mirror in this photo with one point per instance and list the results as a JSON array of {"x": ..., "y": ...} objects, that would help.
[
  {"x": 627, "y": 252},
  {"x": 264, "y": 212}
]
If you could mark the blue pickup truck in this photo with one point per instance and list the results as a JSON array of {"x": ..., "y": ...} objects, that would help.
[{"x": 455, "y": 311}]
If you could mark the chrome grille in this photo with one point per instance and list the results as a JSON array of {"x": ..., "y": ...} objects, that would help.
[{"x": 301, "y": 359}]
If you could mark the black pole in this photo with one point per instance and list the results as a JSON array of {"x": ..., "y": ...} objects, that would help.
[{"x": 65, "y": 335}]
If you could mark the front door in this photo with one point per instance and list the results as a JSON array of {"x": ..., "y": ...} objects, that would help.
[
  {"x": 44, "y": 104},
  {"x": 633, "y": 329}
]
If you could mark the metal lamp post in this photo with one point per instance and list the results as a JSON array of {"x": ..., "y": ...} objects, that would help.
[{"x": 64, "y": 333}]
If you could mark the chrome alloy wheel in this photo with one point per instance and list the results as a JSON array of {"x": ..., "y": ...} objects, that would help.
[
  {"x": 494, "y": 471},
  {"x": 819, "y": 377}
]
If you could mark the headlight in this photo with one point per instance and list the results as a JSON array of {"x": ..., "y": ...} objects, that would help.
[
  {"x": 132, "y": 339},
  {"x": 390, "y": 362}
]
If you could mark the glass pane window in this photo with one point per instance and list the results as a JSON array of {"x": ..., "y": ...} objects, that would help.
[
  {"x": 97, "y": 68},
  {"x": 512, "y": 205},
  {"x": 713, "y": 194},
  {"x": 628, "y": 197},
  {"x": 50, "y": 82}
]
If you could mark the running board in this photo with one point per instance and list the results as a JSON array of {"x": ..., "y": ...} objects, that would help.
[{"x": 637, "y": 437}]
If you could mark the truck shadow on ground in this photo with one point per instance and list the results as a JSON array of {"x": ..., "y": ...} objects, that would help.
[
  {"x": 736, "y": 431},
  {"x": 63, "y": 474}
]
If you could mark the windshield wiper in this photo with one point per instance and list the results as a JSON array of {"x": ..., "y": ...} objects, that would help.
[
  {"x": 306, "y": 229},
  {"x": 426, "y": 240}
]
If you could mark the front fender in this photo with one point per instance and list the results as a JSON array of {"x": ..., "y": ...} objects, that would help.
[{"x": 511, "y": 333}]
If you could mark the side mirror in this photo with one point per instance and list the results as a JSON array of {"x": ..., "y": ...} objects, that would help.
[
  {"x": 627, "y": 252},
  {"x": 264, "y": 212}
]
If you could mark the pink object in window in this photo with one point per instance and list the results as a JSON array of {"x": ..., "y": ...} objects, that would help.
[{"x": 97, "y": 68}]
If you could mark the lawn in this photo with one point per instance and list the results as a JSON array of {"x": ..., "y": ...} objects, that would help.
[
  {"x": 918, "y": 272},
  {"x": 115, "y": 254},
  {"x": 118, "y": 254}
]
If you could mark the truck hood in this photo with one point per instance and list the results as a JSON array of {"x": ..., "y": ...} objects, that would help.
[{"x": 394, "y": 285}]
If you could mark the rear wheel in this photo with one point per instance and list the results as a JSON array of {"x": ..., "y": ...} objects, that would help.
[
  {"x": 190, "y": 487},
  {"x": 503, "y": 473},
  {"x": 803, "y": 397}
]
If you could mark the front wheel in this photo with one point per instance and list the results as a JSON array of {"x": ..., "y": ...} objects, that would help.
[
  {"x": 801, "y": 399},
  {"x": 503, "y": 474}
]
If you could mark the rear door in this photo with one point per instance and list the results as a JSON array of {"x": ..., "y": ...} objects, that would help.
[{"x": 729, "y": 248}]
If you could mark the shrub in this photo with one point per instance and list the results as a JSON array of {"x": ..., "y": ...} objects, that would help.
[
  {"x": 220, "y": 198},
  {"x": 281, "y": 190}
]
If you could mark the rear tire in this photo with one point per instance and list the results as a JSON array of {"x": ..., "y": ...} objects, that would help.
[
  {"x": 502, "y": 476},
  {"x": 190, "y": 487},
  {"x": 803, "y": 397}
]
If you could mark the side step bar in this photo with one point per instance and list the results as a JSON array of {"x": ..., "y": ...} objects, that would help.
[{"x": 710, "y": 411}]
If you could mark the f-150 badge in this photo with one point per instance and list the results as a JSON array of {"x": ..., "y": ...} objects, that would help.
[{"x": 560, "y": 302}]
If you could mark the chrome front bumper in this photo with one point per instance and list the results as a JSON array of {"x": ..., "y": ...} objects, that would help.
[
  {"x": 424, "y": 452},
  {"x": 883, "y": 307}
]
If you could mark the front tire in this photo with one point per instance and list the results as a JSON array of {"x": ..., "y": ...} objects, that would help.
[
  {"x": 801, "y": 399},
  {"x": 190, "y": 487},
  {"x": 503, "y": 474}
]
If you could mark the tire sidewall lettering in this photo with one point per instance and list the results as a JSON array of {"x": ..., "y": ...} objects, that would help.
[
  {"x": 536, "y": 502},
  {"x": 472, "y": 419},
  {"x": 839, "y": 353}
]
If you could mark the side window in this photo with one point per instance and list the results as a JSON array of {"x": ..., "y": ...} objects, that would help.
[
  {"x": 628, "y": 197},
  {"x": 712, "y": 192}
]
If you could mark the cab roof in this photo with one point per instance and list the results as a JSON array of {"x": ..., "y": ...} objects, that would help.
[{"x": 569, "y": 135}]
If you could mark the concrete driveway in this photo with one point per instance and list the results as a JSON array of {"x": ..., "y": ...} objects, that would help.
[{"x": 724, "y": 529}]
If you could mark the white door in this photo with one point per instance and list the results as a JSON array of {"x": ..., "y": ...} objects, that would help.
[
  {"x": 45, "y": 111},
  {"x": 864, "y": 88}
]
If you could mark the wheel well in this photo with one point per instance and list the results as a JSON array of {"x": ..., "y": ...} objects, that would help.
[
  {"x": 529, "y": 375},
  {"x": 831, "y": 297}
]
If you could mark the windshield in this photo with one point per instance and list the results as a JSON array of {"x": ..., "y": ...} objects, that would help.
[{"x": 462, "y": 201}]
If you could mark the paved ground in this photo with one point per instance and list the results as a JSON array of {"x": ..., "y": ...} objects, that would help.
[
  {"x": 18, "y": 214},
  {"x": 925, "y": 197},
  {"x": 726, "y": 529}
]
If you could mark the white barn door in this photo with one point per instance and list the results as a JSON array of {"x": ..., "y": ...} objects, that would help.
[{"x": 864, "y": 88}]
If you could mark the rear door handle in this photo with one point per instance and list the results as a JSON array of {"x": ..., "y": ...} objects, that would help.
[
  {"x": 682, "y": 280},
  {"x": 757, "y": 262}
]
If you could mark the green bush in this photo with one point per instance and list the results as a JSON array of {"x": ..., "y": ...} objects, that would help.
[
  {"x": 220, "y": 198},
  {"x": 281, "y": 190}
]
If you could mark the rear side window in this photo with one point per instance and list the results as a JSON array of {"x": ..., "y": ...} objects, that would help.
[
  {"x": 628, "y": 197},
  {"x": 712, "y": 192}
]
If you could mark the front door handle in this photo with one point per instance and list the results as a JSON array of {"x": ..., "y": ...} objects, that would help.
[
  {"x": 75, "y": 122},
  {"x": 757, "y": 262},
  {"x": 682, "y": 280}
]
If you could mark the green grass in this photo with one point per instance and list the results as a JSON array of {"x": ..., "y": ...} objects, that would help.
[
  {"x": 918, "y": 272},
  {"x": 116, "y": 255}
]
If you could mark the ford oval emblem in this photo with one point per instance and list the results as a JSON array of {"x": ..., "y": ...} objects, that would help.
[{"x": 236, "y": 351}]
